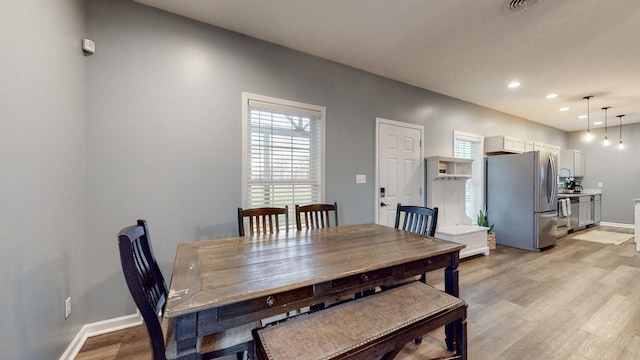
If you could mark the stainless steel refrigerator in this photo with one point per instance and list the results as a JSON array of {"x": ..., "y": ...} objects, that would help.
[{"x": 522, "y": 199}]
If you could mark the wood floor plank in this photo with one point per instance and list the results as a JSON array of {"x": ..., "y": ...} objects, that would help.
[
  {"x": 620, "y": 276},
  {"x": 485, "y": 318},
  {"x": 564, "y": 296},
  {"x": 554, "y": 330},
  {"x": 107, "y": 352},
  {"x": 499, "y": 338},
  {"x": 611, "y": 318}
]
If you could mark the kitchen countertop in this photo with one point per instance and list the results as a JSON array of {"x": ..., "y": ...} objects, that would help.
[{"x": 585, "y": 192}]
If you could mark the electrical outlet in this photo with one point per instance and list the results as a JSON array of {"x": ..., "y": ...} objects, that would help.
[{"x": 67, "y": 307}]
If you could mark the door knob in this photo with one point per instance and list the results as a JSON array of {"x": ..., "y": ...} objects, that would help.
[{"x": 383, "y": 204}]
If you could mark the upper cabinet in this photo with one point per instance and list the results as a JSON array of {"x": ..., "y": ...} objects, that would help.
[
  {"x": 529, "y": 145},
  {"x": 573, "y": 160},
  {"x": 546, "y": 147},
  {"x": 508, "y": 144},
  {"x": 503, "y": 144}
]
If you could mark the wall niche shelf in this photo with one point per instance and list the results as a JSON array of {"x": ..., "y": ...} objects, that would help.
[{"x": 446, "y": 168}]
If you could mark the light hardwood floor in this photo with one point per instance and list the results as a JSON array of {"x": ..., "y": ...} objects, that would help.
[{"x": 577, "y": 300}]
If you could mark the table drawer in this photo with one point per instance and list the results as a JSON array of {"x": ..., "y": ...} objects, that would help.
[
  {"x": 280, "y": 300},
  {"x": 422, "y": 266},
  {"x": 360, "y": 280}
]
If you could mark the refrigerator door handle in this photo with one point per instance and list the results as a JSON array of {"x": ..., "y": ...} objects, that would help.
[
  {"x": 551, "y": 179},
  {"x": 554, "y": 184}
]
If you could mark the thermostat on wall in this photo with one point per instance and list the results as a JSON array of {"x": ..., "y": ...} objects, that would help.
[{"x": 88, "y": 46}]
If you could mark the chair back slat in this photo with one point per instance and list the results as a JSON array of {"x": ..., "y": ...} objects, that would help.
[
  {"x": 417, "y": 219},
  {"x": 316, "y": 216},
  {"x": 263, "y": 220},
  {"x": 144, "y": 280}
]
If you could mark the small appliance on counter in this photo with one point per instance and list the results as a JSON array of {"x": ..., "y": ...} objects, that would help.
[{"x": 574, "y": 186}]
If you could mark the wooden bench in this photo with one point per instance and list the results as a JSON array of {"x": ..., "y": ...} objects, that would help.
[{"x": 372, "y": 327}]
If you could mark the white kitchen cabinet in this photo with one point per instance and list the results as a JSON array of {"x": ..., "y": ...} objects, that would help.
[
  {"x": 546, "y": 147},
  {"x": 636, "y": 218},
  {"x": 503, "y": 144},
  {"x": 540, "y": 146},
  {"x": 529, "y": 146},
  {"x": 573, "y": 160},
  {"x": 509, "y": 144},
  {"x": 595, "y": 208},
  {"x": 578, "y": 163}
]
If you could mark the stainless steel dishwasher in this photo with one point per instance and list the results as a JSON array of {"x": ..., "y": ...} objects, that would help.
[
  {"x": 562, "y": 222},
  {"x": 574, "y": 220}
]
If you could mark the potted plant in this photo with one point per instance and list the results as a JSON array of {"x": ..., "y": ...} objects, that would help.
[{"x": 483, "y": 220}]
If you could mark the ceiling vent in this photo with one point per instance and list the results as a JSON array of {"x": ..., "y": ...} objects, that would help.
[{"x": 517, "y": 5}]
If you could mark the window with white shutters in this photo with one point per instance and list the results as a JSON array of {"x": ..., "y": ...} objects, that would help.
[
  {"x": 283, "y": 144},
  {"x": 471, "y": 146}
]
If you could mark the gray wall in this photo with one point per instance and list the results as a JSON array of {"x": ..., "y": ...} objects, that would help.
[
  {"x": 149, "y": 127},
  {"x": 42, "y": 176},
  {"x": 164, "y": 127},
  {"x": 617, "y": 170}
]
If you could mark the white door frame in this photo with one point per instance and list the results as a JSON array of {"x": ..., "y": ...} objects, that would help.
[{"x": 377, "y": 180}]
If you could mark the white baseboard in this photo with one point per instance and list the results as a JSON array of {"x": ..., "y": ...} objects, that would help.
[
  {"x": 628, "y": 226},
  {"x": 99, "y": 328}
]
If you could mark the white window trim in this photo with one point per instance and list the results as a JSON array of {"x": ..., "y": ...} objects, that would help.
[
  {"x": 246, "y": 97},
  {"x": 459, "y": 135}
]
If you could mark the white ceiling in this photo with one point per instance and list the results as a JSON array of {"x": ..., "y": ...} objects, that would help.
[{"x": 467, "y": 49}]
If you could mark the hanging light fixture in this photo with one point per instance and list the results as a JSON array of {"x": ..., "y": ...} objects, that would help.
[
  {"x": 606, "y": 141},
  {"x": 588, "y": 137},
  {"x": 620, "y": 144}
]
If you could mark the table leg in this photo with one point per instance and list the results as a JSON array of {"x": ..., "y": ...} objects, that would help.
[
  {"x": 451, "y": 286},
  {"x": 186, "y": 337}
]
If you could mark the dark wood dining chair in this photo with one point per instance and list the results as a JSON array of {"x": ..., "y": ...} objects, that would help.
[
  {"x": 149, "y": 291},
  {"x": 316, "y": 216},
  {"x": 420, "y": 220},
  {"x": 417, "y": 219},
  {"x": 264, "y": 220}
]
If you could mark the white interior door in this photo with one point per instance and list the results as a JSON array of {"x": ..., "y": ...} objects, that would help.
[{"x": 400, "y": 164}]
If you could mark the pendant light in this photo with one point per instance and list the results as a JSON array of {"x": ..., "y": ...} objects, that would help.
[
  {"x": 620, "y": 144},
  {"x": 606, "y": 141},
  {"x": 588, "y": 137}
]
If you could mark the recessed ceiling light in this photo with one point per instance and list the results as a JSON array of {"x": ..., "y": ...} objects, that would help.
[
  {"x": 582, "y": 116},
  {"x": 513, "y": 84},
  {"x": 564, "y": 109},
  {"x": 552, "y": 96},
  {"x": 597, "y": 123}
]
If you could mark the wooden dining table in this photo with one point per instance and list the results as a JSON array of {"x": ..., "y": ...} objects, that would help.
[{"x": 223, "y": 283}]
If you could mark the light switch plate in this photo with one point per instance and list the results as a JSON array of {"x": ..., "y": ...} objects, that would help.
[{"x": 361, "y": 179}]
